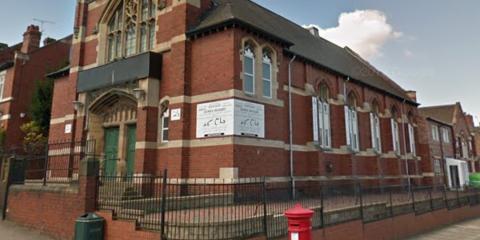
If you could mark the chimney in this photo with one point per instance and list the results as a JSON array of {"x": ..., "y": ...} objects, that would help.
[
  {"x": 3, "y": 46},
  {"x": 313, "y": 30},
  {"x": 470, "y": 121},
  {"x": 412, "y": 95},
  {"x": 31, "y": 39},
  {"x": 48, "y": 41}
]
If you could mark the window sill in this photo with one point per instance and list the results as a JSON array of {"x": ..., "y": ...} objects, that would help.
[{"x": 4, "y": 100}]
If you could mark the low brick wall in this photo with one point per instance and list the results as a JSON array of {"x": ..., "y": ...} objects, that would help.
[
  {"x": 124, "y": 230},
  {"x": 52, "y": 209}
]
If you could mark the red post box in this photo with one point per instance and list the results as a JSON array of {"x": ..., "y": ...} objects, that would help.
[{"x": 299, "y": 223}]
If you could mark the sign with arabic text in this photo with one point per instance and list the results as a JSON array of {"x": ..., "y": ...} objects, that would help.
[{"x": 230, "y": 117}]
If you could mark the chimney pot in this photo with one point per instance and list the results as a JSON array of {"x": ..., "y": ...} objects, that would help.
[
  {"x": 412, "y": 95},
  {"x": 48, "y": 41},
  {"x": 31, "y": 39},
  {"x": 314, "y": 30}
]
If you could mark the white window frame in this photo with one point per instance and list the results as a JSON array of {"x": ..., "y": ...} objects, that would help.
[
  {"x": 322, "y": 133},
  {"x": 351, "y": 127},
  {"x": 165, "y": 117},
  {"x": 3, "y": 76},
  {"x": 445, "y": 135},
  {"x": 248, "y": 53},
  {"x": 395, "y": 136},
  {"x": 411, "y": 138},
  {"x": 267, "y": 60},
  {"x": 434, "y": 130},
  {"x": 376, "y": 132}
]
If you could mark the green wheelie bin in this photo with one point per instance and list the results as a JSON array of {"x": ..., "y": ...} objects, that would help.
[{"x": 89, "y": 227}]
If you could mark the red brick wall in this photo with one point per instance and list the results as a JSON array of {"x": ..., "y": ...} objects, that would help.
[{"x": 53, "y": 212}]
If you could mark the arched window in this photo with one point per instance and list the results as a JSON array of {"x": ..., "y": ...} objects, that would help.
[
  {"x": 267, "y": 73},
  {"x": 411, "y": 135},
  {"x": 351, "y": 122},
  {"x": 164, "y": 122},
  {"x": 131, "y": 28},
  {"x": 249, "y": 69},
  {"x": 321, "y": 118},
  {"x": 395, "y": 131},
  {"x": 375, "y": 127}
]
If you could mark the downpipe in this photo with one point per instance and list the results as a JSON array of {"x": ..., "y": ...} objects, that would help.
[{"x": 290, "y": 126}]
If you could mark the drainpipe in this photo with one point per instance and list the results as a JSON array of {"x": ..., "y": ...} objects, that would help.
[
  {"x": 407, "y": 171},
  {"x": 290, "y": 125}
]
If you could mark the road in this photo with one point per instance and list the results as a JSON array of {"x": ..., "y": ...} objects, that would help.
[
  {"x": 11, "y": 231},
  {"x": 468, "y": 230}
]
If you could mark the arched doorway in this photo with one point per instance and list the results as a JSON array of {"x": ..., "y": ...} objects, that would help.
[{"x": 112, "y": 119}]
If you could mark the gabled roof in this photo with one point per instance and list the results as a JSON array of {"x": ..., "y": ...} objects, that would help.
[
  {"x": 300, "y": 41},
  {"x": 443, "y": 113}
]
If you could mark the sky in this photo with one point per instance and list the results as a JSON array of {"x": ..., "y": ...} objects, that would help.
[{"x": 431, "y": 46}]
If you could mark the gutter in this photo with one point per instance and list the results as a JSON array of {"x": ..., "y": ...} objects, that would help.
[{"x": 290, "y": 125}]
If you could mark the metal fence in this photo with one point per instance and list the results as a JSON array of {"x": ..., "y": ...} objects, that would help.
[
  {"x": 201, "y": 209},
  {"x": 55, "y": 162}
]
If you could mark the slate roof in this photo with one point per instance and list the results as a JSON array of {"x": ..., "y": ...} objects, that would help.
[
  {"x": 59, "y": 73},
  {"x": 300, "y": 41},
  {"x": 443, "y": 113}
]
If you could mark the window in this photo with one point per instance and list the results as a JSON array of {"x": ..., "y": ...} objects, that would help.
[
  {"x": 267, "y": 74},
  {"x": 411, "y": 139},
  {"x": 131, "y": 29},
  {"x": 165, "y": 125},
  {"x": 321, "y": 118},
  {"x": 351, "y": 123},
  {"x": 464, "y": 149},
  {"x": 395, "y": 132},
  {"x": 437, "y": 167},
  {"x": 2, "y": 83},
  {"x": 435, "y": 136},
  {"x": 446, "y": 135},
  {"x": 249, "y": 70},
  {"x": 375, "y": 128}
]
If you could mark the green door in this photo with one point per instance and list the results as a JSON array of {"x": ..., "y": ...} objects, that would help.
[
  {"x": 131, "y": 141},
  {"x": 111, "y": 151}
]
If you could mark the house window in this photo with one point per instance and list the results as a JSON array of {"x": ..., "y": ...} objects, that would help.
[
  {"x": 165, "y": 126},
  {"x": 267, "y": 74},
  {"x": 321, "y": 118},
  {"x": 131, "y": 29},
  {"x": 375, "y": 128},
  {"x": 411, "y": 139},
  {"x": 437, "y": 167},
  {"x": 249, "y": 70},
  {"x": 2, "y": 83},
  {"x": 435, "y": 136},
  {"x": 351, "y": 123},
  {"x": 395, "y": 132},
  {"x": 446, "y": 135}
]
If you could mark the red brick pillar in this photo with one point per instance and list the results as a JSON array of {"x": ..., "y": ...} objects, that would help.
[{"x": 89, "y": 169}]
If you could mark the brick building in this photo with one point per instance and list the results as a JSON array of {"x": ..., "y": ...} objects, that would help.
[
  {"x": 228, "y": 89},
  {"x": 453, "y": 127},
  {"x": 21, "y": 66}
]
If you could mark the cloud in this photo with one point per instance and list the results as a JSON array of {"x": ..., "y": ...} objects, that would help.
[{"x": 364, "y": 31}]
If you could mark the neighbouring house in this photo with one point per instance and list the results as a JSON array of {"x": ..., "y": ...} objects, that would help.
[
  {"x": 436, "y": 145},
  {"x": 464, "y": 160},
  {"x": 21, "y": 66},
  {"x": 202, "y": 88}
]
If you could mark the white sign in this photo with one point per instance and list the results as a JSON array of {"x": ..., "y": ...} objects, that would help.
[
  {"x": 230, "y": 117},
  {"x": 176, "y": 114},
  {"x": 295, "y": 236},
  {"x": 68, "y": 128}
]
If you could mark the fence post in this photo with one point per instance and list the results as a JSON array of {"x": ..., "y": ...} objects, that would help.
[
  {"x": 322, "y": 206},
  {"x": 264, "y": 189},
  {"x": 431, "y": 200},
  {"x": 412, "y": 193},
  {"x": 163, "y": 205},
  {"x": 361, "y": 200},
  {"x": 458, "y": 197},
  {"x": 45, "y": 167},
  {"x": 445, "y": 196},
  {"x": 391, "y": 203}
]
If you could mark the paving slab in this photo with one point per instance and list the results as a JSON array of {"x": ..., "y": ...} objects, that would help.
[
  {"x": 467, "y": 230},
  {"x": 12, "y": 231}
]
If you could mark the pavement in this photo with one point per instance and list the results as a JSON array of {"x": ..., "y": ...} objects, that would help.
[
  {"x": 11, "y": 231},
  {"x": 468, "y": 230}
]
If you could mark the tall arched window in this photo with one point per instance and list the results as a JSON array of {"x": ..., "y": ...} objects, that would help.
[
  {"x": 321, "y": 118},
  {"x": 395, "y": 131},
  {"x": 411, "y": 135},
  {"x": 267, "y": 73},
  {"x": 131, "y": 28},
  {"x": 351, "y": 123},
  {"x": 375, "y": 127},
  {"x": 249, "y": 69}
]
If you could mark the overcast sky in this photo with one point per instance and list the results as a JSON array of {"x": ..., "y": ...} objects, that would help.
[{"x": 431, "y": 46}]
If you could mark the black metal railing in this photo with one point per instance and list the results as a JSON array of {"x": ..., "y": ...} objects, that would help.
[
  {"x": 216, "y": 209},
  {"x": 55, "y": 162}
]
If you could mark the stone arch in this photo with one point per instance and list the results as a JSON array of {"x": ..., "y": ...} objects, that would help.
[{"x": 115, "y": 109}]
